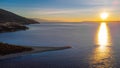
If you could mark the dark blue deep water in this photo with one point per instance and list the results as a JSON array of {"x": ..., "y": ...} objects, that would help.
[{"x": 83, "y": 54}]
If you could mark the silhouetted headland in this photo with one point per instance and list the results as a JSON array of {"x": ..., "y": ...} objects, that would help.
[{"x": 10, "y": 22}]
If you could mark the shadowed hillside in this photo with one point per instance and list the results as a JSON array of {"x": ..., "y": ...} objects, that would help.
[
  {"x": 6, "y": 16},
  {"x": 10, "y": 22}
]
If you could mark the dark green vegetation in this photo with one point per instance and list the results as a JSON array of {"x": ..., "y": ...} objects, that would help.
[
  {"x": 6, "y": 49},
  {"x": 10, "y": 22}
]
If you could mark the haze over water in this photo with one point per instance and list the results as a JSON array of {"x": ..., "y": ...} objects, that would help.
[{"x": 93, "y": 46}]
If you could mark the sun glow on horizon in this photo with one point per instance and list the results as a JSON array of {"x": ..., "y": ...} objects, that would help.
[{"x": 104, "y": 15}]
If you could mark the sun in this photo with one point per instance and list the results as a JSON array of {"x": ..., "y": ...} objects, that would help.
[{"x": 104, "y": 15}]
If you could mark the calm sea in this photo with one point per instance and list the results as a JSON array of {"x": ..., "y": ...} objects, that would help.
[{"x": 81, "y": 37}]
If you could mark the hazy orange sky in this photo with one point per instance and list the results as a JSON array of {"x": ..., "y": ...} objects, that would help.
[{"x": 64, "y": 10}]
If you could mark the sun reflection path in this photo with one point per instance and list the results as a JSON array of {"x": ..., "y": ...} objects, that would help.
[
  {"x": 103, "y": 37},
  {"x": 102, "y": 56}
]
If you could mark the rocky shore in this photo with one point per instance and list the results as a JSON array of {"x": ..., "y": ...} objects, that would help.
[{"x": 11, "y": 27}]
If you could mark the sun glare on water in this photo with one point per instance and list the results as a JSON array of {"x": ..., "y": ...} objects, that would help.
[{"x": 103, "y": 36}]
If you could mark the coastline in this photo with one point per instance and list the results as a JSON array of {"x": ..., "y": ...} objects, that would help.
[
  {"x": 11, "y": 22},
  {"x": 35, "y": 50}
]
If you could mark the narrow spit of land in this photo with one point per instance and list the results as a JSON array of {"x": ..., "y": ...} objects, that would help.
[{"x": 10, "y": 51}]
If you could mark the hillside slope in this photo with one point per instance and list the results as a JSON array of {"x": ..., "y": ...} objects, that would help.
[
  {"x": 6, "y": 16},
  {"x": 10, "y": 22}
]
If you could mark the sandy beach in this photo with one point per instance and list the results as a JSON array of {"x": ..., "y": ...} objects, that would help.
[{"x": 35, "y": 50}]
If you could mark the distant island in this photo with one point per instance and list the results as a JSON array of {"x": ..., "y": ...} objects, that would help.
[{"x": 10, "y": 22}]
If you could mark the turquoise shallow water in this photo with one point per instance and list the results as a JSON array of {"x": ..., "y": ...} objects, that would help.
[{"x": 83, "y": 54}]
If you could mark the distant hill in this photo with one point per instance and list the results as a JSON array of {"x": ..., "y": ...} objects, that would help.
[
  {"x": 10, "y": 22},
  {"x": 7, "y": 16},
  {"x": 45, "y": 20}
]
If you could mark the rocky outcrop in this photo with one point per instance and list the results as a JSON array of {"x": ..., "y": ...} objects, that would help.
[
  {"x": 10, "y": 22},
  {"x": 11, "y": 27}
]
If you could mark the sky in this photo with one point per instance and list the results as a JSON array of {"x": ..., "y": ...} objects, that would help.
[{"x": 64, "y": 10}]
